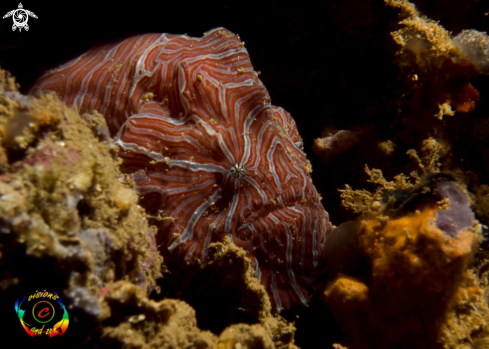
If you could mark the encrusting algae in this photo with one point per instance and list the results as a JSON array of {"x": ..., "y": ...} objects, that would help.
[
  {"x": 66, "y": 208},
  {"x": 132, "y": 320},
  {"x": 438, "y": 66}
]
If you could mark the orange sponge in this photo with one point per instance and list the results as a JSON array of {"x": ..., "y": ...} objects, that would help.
[{"x": 416, "y": 269}]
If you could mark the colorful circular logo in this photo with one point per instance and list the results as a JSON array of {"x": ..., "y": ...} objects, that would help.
[{"x": 42, "y": 313}]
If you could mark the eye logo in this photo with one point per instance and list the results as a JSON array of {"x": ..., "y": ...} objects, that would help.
[{"x": 42, "y": 313}]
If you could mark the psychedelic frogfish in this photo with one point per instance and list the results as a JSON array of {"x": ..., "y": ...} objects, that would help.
[{"x": 196, "y": 127}]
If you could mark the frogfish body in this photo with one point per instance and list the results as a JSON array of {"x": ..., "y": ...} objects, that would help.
[{"x": 196, "y": 127}]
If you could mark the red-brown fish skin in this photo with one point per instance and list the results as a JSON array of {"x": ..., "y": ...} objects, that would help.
[{"x": 195, "y": 125}]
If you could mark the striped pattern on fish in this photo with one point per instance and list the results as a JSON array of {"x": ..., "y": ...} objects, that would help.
[{"x": 196, "y": 127}]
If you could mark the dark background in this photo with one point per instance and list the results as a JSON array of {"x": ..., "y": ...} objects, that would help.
[{"x": 329, "y": 63}]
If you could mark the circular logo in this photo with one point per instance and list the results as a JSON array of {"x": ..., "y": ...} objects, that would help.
[
  {"x": 42, "y": 313},
  {"x": 20, "y": 17}
]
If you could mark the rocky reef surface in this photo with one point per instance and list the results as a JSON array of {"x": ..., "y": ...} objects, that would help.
[
  {"x": 410, "y": 269},
  {"x": 401, "y": 163}
]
